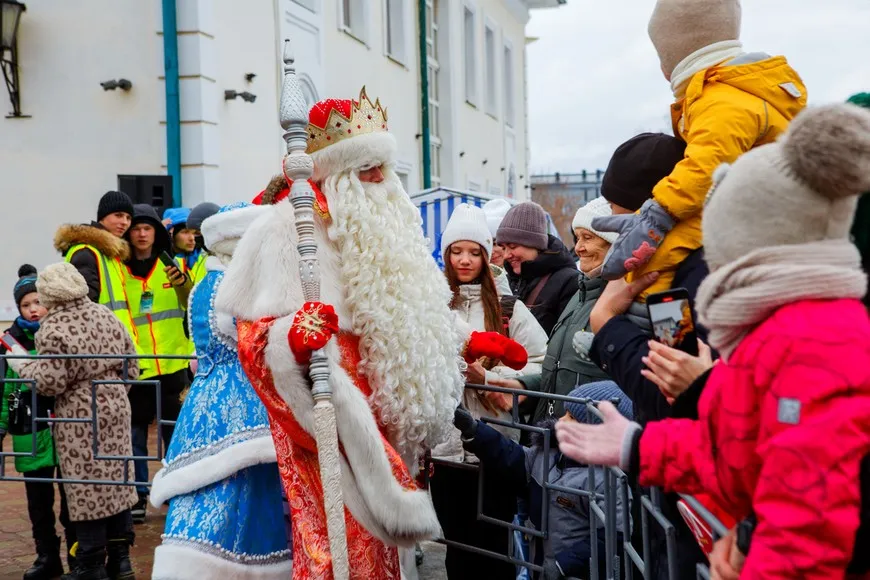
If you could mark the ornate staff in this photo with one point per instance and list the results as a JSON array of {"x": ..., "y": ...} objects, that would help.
[{"x": 298, "y": 166}]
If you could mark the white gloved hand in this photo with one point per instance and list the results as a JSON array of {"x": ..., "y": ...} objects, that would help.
[
  {"x": 606, "y": 444},
  {"x": 14, "y": 347}
]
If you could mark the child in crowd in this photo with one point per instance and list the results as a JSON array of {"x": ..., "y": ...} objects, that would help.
[
  {"x": 568, "y": 547},
  {"x": 726, "y": 103},
  {"x": 40, "y": 463}
]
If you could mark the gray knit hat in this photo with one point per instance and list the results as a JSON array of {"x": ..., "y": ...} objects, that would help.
[
  {"x": 802, "y": 188},
  {"x": 200, "y": 213},
  {"x": 678, "y": 28},
  {"x": 598, "y": 391},
  {"x": 524, "y": 224}
]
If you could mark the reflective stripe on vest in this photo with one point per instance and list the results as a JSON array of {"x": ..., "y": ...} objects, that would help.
[
  {"x": 112, "y": 280},
  {"x": 162, "y": 330}
]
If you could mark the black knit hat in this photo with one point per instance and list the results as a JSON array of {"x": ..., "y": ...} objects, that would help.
[
  {"x": 637, "y": 166},
  {"x": 26, "y": 283},
  {"x": 112, "y": 202}
]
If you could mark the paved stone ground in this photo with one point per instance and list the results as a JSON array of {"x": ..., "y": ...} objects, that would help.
[{"x": 17, "y": 550}]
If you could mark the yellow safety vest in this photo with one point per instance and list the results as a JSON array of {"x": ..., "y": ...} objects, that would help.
[
  {"x": 113, "y": 293},
  {"x": 196, "y": 272},
  {"x": 161, "y": 329}
]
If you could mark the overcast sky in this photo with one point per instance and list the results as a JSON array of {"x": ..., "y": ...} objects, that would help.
[{"x": 594, "y": 78}]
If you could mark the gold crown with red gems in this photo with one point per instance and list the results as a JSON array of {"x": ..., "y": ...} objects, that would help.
[{"x": 365, "y": 117}]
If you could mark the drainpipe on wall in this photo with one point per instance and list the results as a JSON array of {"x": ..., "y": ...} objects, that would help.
[
  {"x": 173, "y": 109},
  {"x": 424, "y": 99}
]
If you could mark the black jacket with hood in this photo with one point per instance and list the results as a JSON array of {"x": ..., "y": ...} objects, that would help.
[
  {"x": 84, "y": 260},
  {"x": 145, "y": 214},
  {"x": 562, "y": 284}
]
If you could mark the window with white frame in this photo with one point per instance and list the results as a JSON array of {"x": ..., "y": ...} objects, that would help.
[
  {"x": 470, "y": 48},
  {"x": 509, "y": 85},
  {"x": 353, "y": 18},
  {"x": 490, "y": 56},
  {"x": 434, "y": 69},
  {"x": 394, "y": 25}
]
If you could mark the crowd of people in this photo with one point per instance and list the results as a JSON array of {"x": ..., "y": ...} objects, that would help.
[{"x": 747, "y": 212}]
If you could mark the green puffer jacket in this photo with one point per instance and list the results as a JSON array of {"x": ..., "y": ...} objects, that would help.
[
  {"x": 45, "y": 455},
  {"x": 563, "y": 367}
]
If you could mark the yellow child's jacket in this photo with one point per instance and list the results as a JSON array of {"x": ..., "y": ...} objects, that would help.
[{"x": 727, "y": 111}]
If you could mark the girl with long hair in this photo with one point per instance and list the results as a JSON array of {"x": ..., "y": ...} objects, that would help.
[{"x": 482, "y": 300}]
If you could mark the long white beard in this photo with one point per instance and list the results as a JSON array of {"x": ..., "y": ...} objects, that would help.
[{"x": 398, "y": 300}]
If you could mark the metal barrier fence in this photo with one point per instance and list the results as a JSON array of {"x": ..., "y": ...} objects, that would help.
[
  {"x": 618, "y": 557},
  {"x": 125, "y": 380}
]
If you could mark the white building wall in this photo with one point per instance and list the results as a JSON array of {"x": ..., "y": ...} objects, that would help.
[{"x": 55, "y": 165}]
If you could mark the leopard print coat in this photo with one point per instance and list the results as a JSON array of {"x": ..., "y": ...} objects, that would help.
[{"x": 81, "y": 327}]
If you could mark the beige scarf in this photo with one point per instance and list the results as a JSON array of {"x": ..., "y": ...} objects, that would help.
[
  {"x": 702, "y": 59},
  {"x": 736, "y": 298}
]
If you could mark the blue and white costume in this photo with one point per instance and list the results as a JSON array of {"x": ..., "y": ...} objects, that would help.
[{"x": 220, "y": 474}]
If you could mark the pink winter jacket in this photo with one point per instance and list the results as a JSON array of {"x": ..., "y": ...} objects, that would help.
[{"x": 783, "y": 427}]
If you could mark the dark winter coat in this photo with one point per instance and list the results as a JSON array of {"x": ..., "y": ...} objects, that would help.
[
  {"x": 44, "y": 456},
  {"x": 145, "y": 214},
  {"x": 85, "y": 328},
  {"x": 620, "y": 346},
  {"x": 521, "y": 469},
  {"x": 563, "y": 368},
  {"x": 556, "y": 261},
  {"x": 85, "y": 261}
]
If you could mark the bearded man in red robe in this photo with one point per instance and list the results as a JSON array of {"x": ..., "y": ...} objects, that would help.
[{"x": 394, "y": 347}]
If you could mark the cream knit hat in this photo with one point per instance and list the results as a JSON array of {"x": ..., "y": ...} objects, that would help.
[
  {"x": 467, "y": 223},
  {"x": 60, "y": 283},
  {"x": 678, "y": 28},
  {"x": 495, "y": 210},
  {"x": 598, "y": 207},
  {"x": 802, "y": 188}
]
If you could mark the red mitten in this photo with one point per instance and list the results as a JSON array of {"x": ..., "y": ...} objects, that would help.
[
  {"x": 514, "y": 355},
  {"x": 313, "y": 326},
  {"x": 481, "y": 344}
]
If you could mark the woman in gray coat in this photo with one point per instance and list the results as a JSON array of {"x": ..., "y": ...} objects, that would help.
[{"x": 76, "y": 326}]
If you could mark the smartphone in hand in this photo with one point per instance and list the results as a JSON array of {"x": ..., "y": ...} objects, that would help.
[
  {"x": 167, "y": 259},
  {"x": 671, "y": 315}
]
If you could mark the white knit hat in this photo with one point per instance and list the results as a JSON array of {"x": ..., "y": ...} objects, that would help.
[
  {"x": 468, "y": 223},
  {"x": 598, "y": 207},
  {"x": 495, "y": 210}
]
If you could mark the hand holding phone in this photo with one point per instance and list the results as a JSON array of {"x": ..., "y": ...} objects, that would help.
[
  {"x": 176, "y": 276},
  {"x": 670, "y": 313}
]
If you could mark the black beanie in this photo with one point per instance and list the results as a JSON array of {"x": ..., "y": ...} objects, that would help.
[
  {"x": 112, "y": 202},
  {"x": 638, "y": 165},
  {"x": 26, "y": 283}
]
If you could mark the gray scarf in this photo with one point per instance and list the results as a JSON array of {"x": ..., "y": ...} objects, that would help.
[{"x": 739, "y": 296}]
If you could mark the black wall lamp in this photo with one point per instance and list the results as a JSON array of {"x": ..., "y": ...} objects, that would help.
[
  {"x": 246, "y": 96},
  {"x": 113, "y": 84},
  {"x": 249, "y": 77},
  {"x": 10, "y": 16}
]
